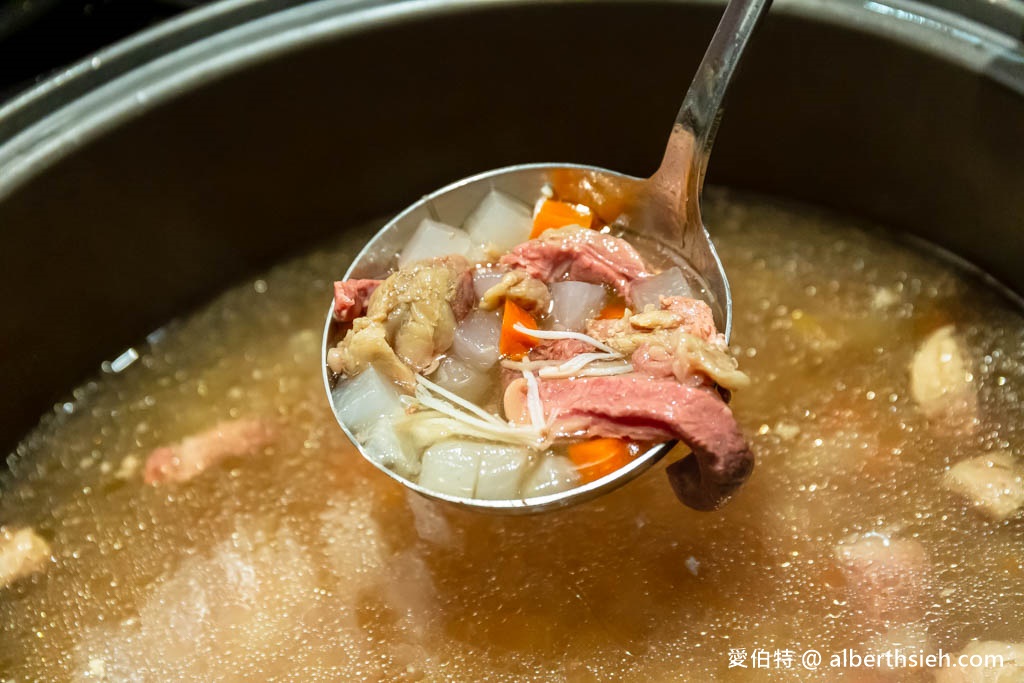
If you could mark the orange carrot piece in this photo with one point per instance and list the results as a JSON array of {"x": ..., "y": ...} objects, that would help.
[
  {"x": 612, "y": 312},
  {"x": 513, "y": 343},
  {"x": 598, "y": 457},
  {"x": 555, "y": 214}
]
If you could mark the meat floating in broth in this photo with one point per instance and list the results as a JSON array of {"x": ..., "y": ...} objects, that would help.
[
  {"x": 520, "y": 356},
  {"x": 874, "y": 521}
]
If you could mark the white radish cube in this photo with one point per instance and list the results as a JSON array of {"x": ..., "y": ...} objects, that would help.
[
  {"x": 476, "y": 339},
  {"x": 366, "y": 399},
  {"x": 646, "y": 291},
  {"x": 461, "y": 378},
  {"x": 451, "y": 467},
  {"x": 499, "y": 223},
  {"x": 553, "y": 474},
  {"x": 501, "y": 471},
  {"x": 385, "y": 446},
  {"x": 433, "y": 239},
  {"x": 574, "y": 303}
]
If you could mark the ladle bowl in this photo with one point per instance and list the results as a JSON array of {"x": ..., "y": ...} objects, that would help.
[{"x": 614, "y": 197}]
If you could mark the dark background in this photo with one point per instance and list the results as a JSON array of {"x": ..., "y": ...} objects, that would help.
[{"x": 40, "y": 37}]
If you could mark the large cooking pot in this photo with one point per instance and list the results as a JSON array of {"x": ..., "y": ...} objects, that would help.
[{"x": 140, "y": 182}]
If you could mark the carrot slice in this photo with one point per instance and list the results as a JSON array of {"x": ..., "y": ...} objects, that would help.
[
  {"x": 555, "y": 214},
  {"x": 513, "y": 343},
  {"x": 597, "y": 457},
  {"x": 612, "y": 312}
]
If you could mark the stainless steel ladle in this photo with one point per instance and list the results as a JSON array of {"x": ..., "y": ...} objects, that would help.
[{"x": 662, "y": 211}]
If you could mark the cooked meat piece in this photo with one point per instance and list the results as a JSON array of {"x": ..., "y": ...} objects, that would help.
[
  {"x": 420, "y": 307},
  {"x": 548, "y": 349},
  {"x": 650, "y": 320},
  {"x": 22, "y": 552},
  {"x": 366, "y": 345},
  {"x": 644, "y": 408},
  {"x": 938, "y": 370},
  {"x": 698, "y": 319},
  {"x": 940, "y": 382},
  {"x": 695, "y": 357},
  {"x": 582, "y": 254},
  {"x": 180, "y": 462},
  {"x": 350, "y": 298},
  {"x": 559, "y": 349},
  {"x": 887, "y": 578},
  {"x": 410, "y": 319},
  {"x": 673, "y": 353},
  {"x": 653, "y": 359},
  {"x": 994, "y": 483},
  {"x": 446, "y": 278},
  {"x": 625, "y": 339},
  {"x": 678, "y": 340},
  {"x": 625, "y": 334},
  {"x": 520, "y": 288}
]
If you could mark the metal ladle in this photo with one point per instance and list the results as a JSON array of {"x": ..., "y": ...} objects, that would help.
[{"x": 662, "y": 212}]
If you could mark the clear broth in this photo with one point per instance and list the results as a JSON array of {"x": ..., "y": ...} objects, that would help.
[{"x": 306, "y": 564}]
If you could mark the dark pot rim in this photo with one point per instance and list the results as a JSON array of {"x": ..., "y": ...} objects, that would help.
[{"x": 55, "y": 117}]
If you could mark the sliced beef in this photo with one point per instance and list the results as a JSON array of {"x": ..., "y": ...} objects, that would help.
[
  {"x": 645, "y": 408},
  {"x": 181, "y": 461},
  {"x": 581, "y": 254},
  {"x": 22, "y": 552},
  {"x": 410, "y": 319},
  {"x": 351, "y": 297}
]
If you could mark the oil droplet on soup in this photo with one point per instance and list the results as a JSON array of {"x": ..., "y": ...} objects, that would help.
[{"x": 301, "y": 562}]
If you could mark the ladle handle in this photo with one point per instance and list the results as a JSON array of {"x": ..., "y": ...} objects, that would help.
[{"x": 686, "y": 157}]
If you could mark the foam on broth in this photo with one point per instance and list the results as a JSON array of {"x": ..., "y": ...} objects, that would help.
[{"x": 307, "y": 564}]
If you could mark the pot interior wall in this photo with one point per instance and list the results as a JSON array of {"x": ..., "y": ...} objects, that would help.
[{"x": 158, "y": 214}]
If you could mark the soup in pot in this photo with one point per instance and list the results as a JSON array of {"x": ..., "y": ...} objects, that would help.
[{"x": 195, "y": 513}]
